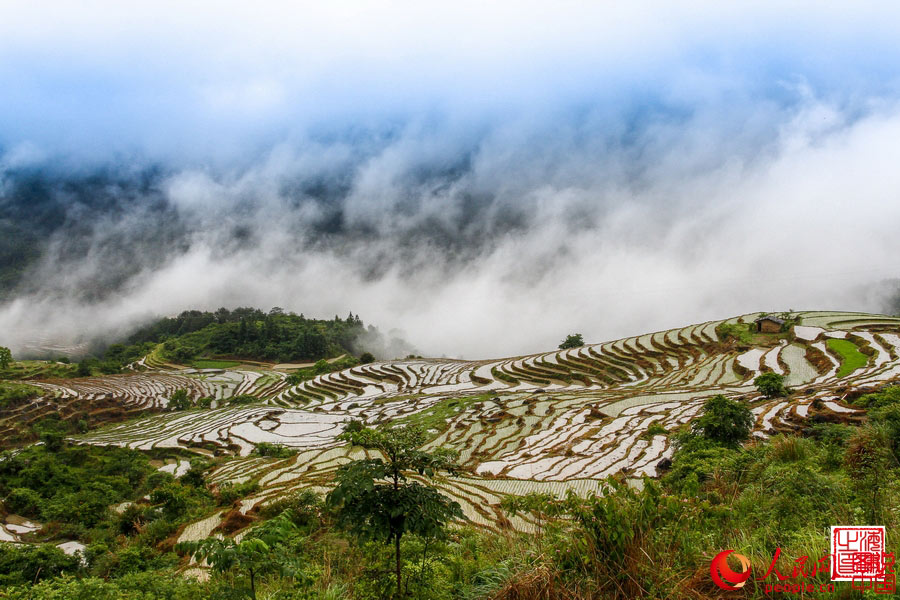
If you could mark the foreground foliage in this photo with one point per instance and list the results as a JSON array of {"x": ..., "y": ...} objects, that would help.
[
  {"x": 375, "y": 499},
  {"x": 652, "y": 540}
]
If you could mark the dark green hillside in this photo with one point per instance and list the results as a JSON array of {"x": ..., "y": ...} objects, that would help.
[
  {"x": 18, "y": 250},
  {"x": 249, "y": 333}
]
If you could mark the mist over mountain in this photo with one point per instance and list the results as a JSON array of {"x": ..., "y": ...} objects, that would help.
[{"x": 477, "y": 198}]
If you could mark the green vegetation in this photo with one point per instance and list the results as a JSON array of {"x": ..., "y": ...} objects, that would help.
[
  {"x": 243, "y": 399},
  {"x": 215, "y": 364},
  {"x": 180, "y": 400},
  {"x": 437, "y": 416},
  {"x": 573, "y": 340},
  {"x": 884, "y": 398},
  {"x": 742, "y": 332},
  {"x": 374, "y": 499},
  {"x": 114, "y": 359},
  {"x": 23, "y": 564},
  {"x": 70, "y": 490},
  {"x": 73, "y": 485},
  {"x": 851, "y": 357},
  {"x": 770, "y": 385},
  {"x": 884, "y": 413},
  {"x": 16, "y": 393},
  {"x": 36, "y": 369},
  {"x": 130, "y": 586},
  {"x": 391, "y": 528},
  {"x": 5, "y": 357},
  {"x": 724, "y": 422},
  {"x": 256, "y": 554},
  {"x": 251, "y": 333},
  {"x": 654, "y": 429},
  {"x": 212, "y": 340},
  {"x": 505, "y": 377},
  {"x": 321, "y": 367},
  {"x": 274, "y": 450},
  {"x": 718, "y": 494}
]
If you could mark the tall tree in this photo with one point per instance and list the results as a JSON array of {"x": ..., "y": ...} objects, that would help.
[{"x": 376, "y": 498}]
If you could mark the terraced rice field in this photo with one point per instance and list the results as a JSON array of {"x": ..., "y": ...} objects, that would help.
[{"x": 545, "y": 422}]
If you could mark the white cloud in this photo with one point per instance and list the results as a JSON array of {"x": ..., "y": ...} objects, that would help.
[{"x": 501, "y": 174}]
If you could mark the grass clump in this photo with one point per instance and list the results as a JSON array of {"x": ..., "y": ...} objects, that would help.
[
  {"x": 737, "y": 331},
  {"x": 438, "y": 416},
  {"x": 653, "y": 430}
]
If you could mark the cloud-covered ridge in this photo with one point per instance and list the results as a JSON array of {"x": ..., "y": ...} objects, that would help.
[{"x": 486, "y": 190}]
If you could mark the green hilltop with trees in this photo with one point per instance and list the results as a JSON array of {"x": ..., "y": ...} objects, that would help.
[
  {"x": 223, "y": 338},
  {"x": 247, "y": 333}
]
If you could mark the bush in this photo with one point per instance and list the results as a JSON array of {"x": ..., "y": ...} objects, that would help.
[
  {"x": 133, "y": 558},
  {"x": 887, "y": 396},
  {"x": 303, "y": 507},
  {"x": 5, "y": 357},
  {"x": 85, "y": 367},
  {"x": 180, "y": 400},
  {"x": 868, "y": 461},
  {"x": 173, "y": 498},
  {"x": 353, "y": 426},
  {"x": 87, "y": 506},
  {"x": 770, "y": 385},
  {"x": 54, "y": 441},
  {"x": 724, "y": 422},
  {"x": 366, "y": 357},
  {"x": 274, "y": 450},
  {"x": 573, "y": 340},
  {"x": 25, "y": 502},
  {"x": 77, "y": 484},
  {"x": 789, "y": 448},
  {"x": 25, "y": 564},
  {"x": 132, "y": 519},
  {"x": 692, "y": 466},
  {"x": 655, "y": 429},
  {"x": 229, "y": 492},
  {"x": 613, "y": 531},
  {"x": 195, "y": 475}
]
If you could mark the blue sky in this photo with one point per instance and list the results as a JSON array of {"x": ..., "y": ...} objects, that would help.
[{"x": 213, "y": 82}]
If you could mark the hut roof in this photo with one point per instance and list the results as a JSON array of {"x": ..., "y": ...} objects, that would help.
[{"x": 770, "y": 318}]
